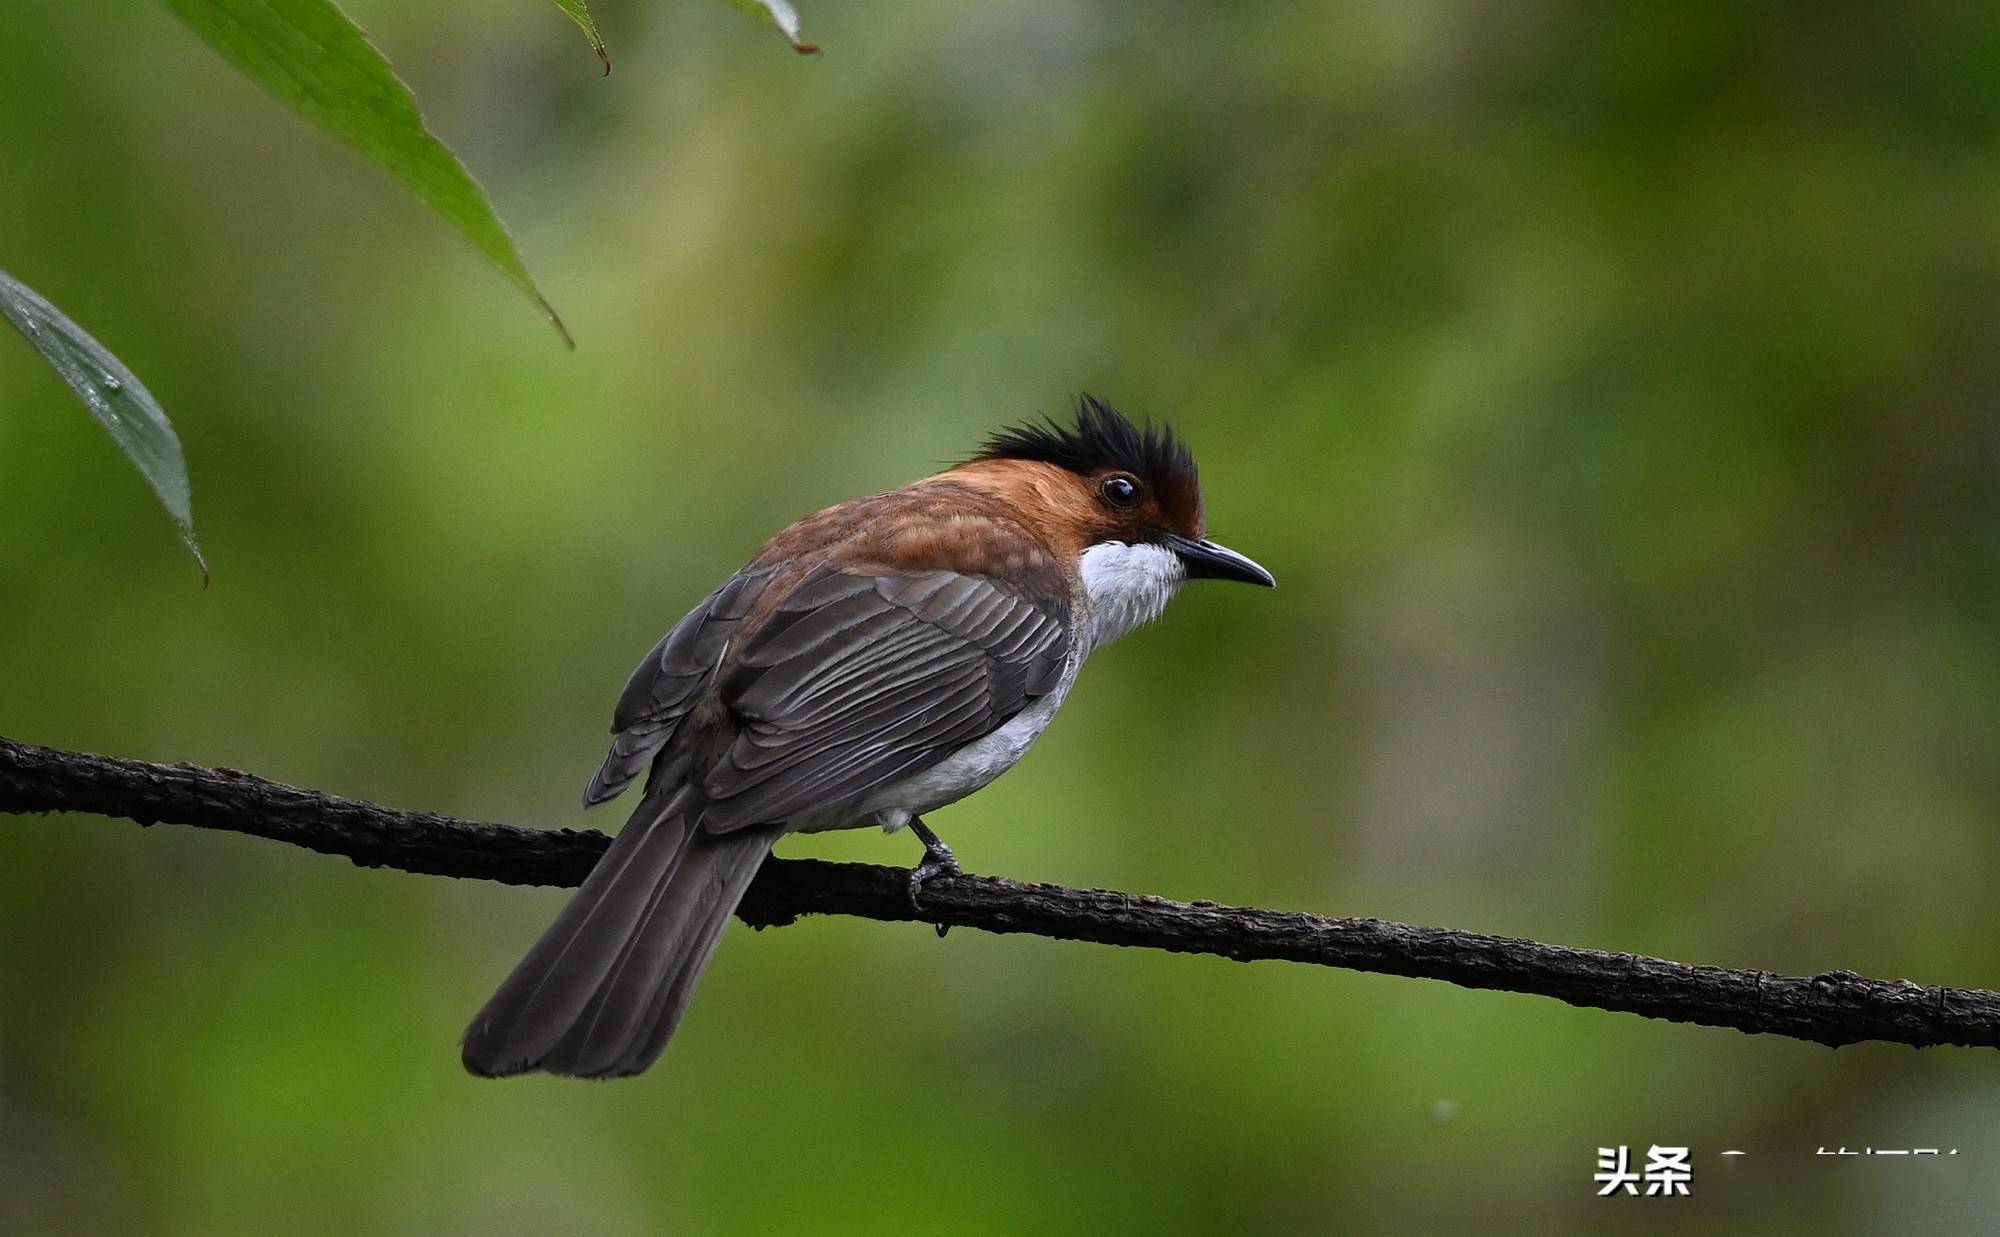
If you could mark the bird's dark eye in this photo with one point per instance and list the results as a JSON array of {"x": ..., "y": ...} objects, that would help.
[{"x": 1120, "y": 490}]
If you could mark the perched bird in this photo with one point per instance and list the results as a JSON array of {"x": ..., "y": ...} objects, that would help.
[{"x": 875, "y": 661}]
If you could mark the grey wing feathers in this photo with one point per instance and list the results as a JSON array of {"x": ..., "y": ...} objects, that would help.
[
  {"x": 669, "y": 683},
  {"x": 855, "y": 681},
  {"x": 848, "y": 683}
]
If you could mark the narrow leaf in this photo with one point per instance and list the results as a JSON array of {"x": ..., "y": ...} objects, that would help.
[
  {"x": 781, "y": 14},
  {"x": 118, "y": 400},
  {"x": 579, "y": 12},
  {"x": 315, "y": 61}
]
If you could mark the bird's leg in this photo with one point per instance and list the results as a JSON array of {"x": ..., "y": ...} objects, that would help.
[{"x": 937, "y": 860}]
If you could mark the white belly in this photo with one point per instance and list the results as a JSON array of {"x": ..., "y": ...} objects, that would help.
[{"x": 970, "y": 767}]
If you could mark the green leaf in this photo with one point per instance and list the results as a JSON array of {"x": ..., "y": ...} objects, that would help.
[
  {"x": 579, "y": 12},
  {"x": 318, "y": 63},
  {"x": 781, "y": 14},
  {"x": 112, "y": 394}
]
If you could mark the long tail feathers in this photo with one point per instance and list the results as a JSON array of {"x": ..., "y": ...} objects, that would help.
[{"x": 600, "y": 994}]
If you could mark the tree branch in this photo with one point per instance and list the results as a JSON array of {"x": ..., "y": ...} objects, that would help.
[{"x": 1838, "y": 1007}]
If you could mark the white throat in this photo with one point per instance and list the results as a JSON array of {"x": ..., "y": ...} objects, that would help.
[{"x": 1128, "y": 585}]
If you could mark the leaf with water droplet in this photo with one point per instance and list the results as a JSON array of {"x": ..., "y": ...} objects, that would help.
[
  {"x": 579, "y": 12},
  {"x": 111, "y": 392},
  {"x": 781, "y": 14},
  {"x": 314, "y": 60}
]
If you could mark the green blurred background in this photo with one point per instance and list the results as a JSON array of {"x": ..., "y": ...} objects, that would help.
[{"x": 1610, "y": 388}]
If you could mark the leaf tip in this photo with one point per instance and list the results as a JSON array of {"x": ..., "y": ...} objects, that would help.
[
  {"x": 187, "y": 539},
  {"x": 555, "y": 320}
]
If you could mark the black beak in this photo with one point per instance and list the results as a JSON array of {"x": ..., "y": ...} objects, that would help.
[{"x": 1206, "y": 560}]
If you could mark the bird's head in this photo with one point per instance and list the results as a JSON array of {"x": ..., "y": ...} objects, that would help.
[{"x": 1126, "y": 499}]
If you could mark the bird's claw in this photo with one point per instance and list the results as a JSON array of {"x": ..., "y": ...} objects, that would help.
[{"x": 937, "y": 861}]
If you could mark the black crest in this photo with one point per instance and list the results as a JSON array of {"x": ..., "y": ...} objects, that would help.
[{"x": 1101, "y": 439}]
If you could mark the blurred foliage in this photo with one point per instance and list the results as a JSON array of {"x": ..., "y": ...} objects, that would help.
[{"x": 1607, "y": 386}]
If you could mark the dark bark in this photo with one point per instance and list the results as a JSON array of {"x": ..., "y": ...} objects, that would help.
[{"x": 1837, "y": 1007}]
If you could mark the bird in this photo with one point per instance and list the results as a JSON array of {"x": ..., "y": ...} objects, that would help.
[{"x": 871, "y": 664}]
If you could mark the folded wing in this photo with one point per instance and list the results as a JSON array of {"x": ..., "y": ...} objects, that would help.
[{"x": 856, "y": 681}]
